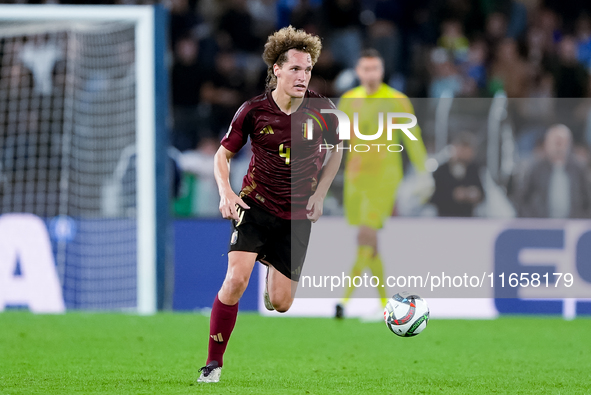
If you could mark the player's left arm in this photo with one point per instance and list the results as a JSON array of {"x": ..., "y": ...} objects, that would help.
[
  {"x": 417, "y": 153},
  {"x": 329, "y": 171}
]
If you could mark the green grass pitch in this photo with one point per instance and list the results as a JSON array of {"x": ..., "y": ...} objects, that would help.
[{"x": 83, "y": 353}]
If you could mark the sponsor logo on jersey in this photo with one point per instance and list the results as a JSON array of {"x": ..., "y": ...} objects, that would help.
[{"x": 267, "y": 130}]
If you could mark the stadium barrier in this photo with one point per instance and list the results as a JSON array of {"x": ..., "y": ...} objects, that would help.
[{"x": 459, "y": 248}]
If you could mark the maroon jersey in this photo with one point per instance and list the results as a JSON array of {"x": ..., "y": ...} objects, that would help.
[{"x": 286, "y": 164}]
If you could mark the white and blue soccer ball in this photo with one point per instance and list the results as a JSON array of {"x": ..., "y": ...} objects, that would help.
[{"x": 406, "y": 314}]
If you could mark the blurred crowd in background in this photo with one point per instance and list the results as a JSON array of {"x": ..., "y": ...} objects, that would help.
[
  {"x": 531, "y": 49},
  {"x": 431, "y": 48},
  {"x": 466, "y": 48}
]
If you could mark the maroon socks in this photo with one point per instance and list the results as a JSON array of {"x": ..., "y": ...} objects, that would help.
[{"x": 221, "y": 324}]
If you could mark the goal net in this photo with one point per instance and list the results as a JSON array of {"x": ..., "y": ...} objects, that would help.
[{"x": 78, "y": 145}]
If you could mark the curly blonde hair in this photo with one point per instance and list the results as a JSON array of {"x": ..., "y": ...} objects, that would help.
[{"x": 280, "y": 42}]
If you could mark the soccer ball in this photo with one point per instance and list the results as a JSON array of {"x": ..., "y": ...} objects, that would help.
[{"x": 406, "y": 314}]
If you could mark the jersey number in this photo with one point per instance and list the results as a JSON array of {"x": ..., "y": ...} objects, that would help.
[{"x": 284, "y": 153}]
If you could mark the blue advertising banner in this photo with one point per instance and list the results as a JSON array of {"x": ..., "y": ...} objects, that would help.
[{"x": 201, "y": 259}]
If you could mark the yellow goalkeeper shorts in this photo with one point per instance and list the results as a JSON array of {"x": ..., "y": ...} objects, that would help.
[{"x": 369, "y": 201}]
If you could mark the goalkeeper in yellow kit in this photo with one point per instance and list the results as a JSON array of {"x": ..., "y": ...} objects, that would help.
[{"x": 372, "y": 178}]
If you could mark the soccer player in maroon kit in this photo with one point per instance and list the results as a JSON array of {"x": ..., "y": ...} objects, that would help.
[{"x": 284, "y": 189}]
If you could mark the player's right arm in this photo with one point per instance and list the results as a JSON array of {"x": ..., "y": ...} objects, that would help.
[
  {"x": 232, "y": 142},
  {"x": 228, "y": 199}
]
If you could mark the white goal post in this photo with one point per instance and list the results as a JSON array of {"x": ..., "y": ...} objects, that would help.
[{"x": 151, "y": 192}]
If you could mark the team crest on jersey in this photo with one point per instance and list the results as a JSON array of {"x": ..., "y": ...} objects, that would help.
[{"x": 307, "y": 129}]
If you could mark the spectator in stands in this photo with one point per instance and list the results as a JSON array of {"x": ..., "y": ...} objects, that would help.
[
  {"x": 237, "y": 29},
  {"x": 341, "y": 19},
  {"x": 571, "y": 77},
  {"x": 445, "y": 77},
  {"x": 548, "y": 21},
  {"x": 539, "y": 47},
  {"x": 471, "y": 14},
  {"x": 325, "y": 72},
  {"x": 183, "y": 20},
  {"x": 453, "y": 39},
  {"x": 457, "y": 184},
  {"x": 384, "y": 35},
  {"x": 509, "y": 72},
  {"x": 187, "y": 79},
  {"x": 583, "y": 33},
  {"x": 474, "y": 70},
  {"x": 568, "y": 10},
  {"x": 307, "y": 16},
  {"x": 224, "y": 91},
  {"x": 517, "y": 22},
  {"x": 495, "y": 29},
  {"x": 199, "y": 163},
  {"x": 264, "y": 15},
  {"x": 556, "y": 185},
  {"x": 582, "y": 154},
  {"x": 531, "y": 117}
]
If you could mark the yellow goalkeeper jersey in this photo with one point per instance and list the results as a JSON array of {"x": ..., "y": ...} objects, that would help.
[
  {"x": 372, "y": 178},
  {"x": 368, "y": 107}
]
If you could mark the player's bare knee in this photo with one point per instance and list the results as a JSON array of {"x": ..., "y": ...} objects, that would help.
[
  {"x": 367, "y": 237},
  {"x": 236, "y": 284},
  {"x": 366, "y": 241},
  {"x": 282, "y": 305}
]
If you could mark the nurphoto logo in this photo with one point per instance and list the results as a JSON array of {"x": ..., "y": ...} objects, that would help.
[{"x": 344, "y": 130}]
